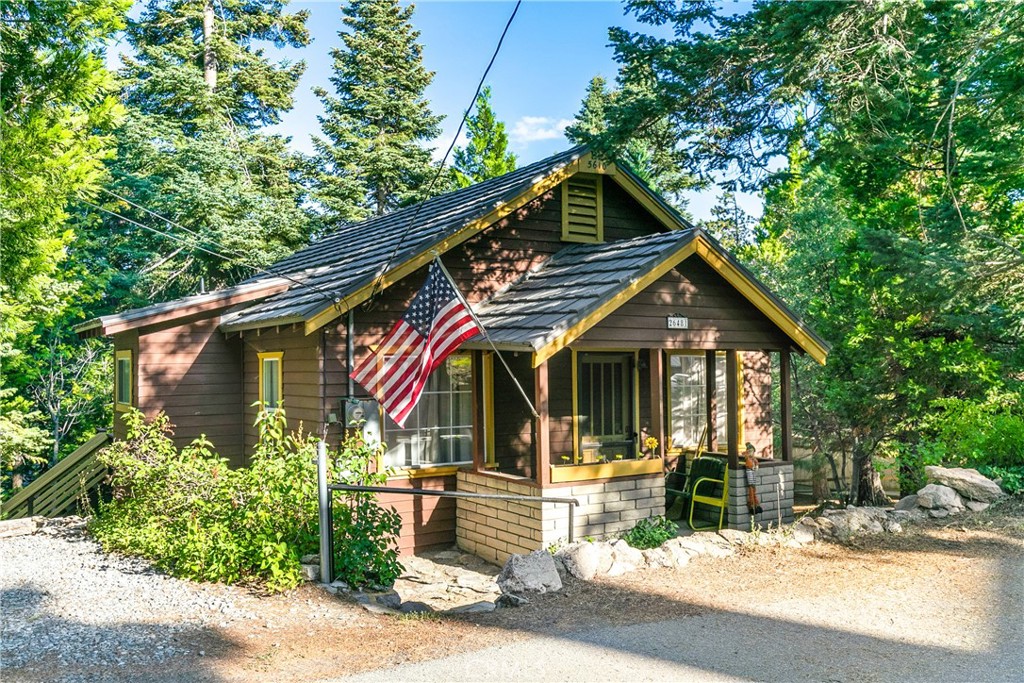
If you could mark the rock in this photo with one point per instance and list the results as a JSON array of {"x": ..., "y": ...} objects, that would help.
[
  {"x": 906, "y": 503},
  {"x": 389, "y": 598},
  {"x": 533, "y": 573},
  {"x": 482, "y": 606},
  {"x": 892, "y": 526},
  {"x": 803, "y": 533},
  {"x": 310, "y": 572},
  {"x": 734, "y": 536},
  {"x": 506, "y": 600},
  {"x": 976, "y": 506},
  {"x": 586, "y": 560},
  {"x": 694, "y": 545},
  {"x": 938, "y": 513},
  {"x": 967, "y": 482},
  {"x": 627, "y": 556},
  {"x": 658, "y": 557},
  {"x": 476, "y": 585},
  {"x": 312, "y": 558},
  {"x": 415, "y": 607},
  {"x": 24, "y": 526},
  {"x": 679, "y": 553},
  {"x": 718, "y": 551},
  {"x": 935, "y": 496},
  {"x": 375, "y": 608}
]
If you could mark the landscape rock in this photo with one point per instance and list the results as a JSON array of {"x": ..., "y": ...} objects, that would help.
[
  {"x": 533, "y": 573},
  {"x": 625, "y": 555},
  {"x": 692, "y": 544},
  {"x": 658, "y": 557},
  {"x": 310, "y": 572},
  {"x": 934, "y": 496},
  {"x": 803, "y": 533},
  {"x": 506, "y": 600},
  {"x": 586, "y": 560},
  {"x": 938, "y": 513},
  {"x": 476, "y": 607},
  {"x": 312, "y": 558},
  {"x": 375, "y": 608},
  {"x": 892, "y": 526},
  {"x": 968, "y": 483},
  {"x": 976, "y": 506},
  {"x": 906, "y": 503},
  {"x": 389, "y": 598},
  {"x": 9, "y": 528},
  {"x": 415, "y": 607},
  {"x": 734, "y": 536},
  {"x": 679, "y": 553}
]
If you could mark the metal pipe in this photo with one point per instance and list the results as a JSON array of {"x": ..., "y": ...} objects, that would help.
[
  {"x": 571, "y": 502},
  {"x": 350, "y": 355},
  {"x": 326, "y": 527}
]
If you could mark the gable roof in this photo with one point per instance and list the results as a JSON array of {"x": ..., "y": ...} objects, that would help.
[{"x": 583, "y": 284}]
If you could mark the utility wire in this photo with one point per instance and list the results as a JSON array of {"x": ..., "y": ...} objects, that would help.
[
  {"x": 191, "y": 245},
  {"x": 412, "y": 220}
]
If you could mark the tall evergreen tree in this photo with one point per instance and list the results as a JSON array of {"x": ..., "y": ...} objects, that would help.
[
  {"x": 199, "y": 90},
  {"x": 486, "y": 155},
  {"x": 371, "y": 158}
]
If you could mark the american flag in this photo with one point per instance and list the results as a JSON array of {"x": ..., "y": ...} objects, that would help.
[{"x": 438, "y": 320}]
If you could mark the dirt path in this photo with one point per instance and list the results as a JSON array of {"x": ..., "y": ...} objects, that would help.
[{"x": 939, "y": 602}]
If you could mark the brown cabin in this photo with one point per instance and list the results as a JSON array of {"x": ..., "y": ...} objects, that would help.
[{"x": 620, "y": 320}]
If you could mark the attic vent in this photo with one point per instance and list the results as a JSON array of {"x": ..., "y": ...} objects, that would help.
[{"x": 582, "y": 209}]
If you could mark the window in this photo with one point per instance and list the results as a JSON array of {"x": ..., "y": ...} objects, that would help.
[
  {"x": 582, "y": 209},
  {"x": 270, "y": 379},
  {"x": 439, "y": 431},
  {"x": 687, "y": 382},
  {"x": 605, "y": 406},
  {"x": 123, "y": 379}
]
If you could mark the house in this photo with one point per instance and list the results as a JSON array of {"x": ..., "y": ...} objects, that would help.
[{"x": 619, "y": 319}]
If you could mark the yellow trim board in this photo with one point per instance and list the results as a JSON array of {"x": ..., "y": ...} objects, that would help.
[
  {"x": 610, "y": 306},
  {"x": 425, "y": 472},
  {"x": 549, "y": 182},
  {"x": 119, "y": 355},
  {"x": 279, "y": 380},
  {"x": 754, "y": 295},
  {"x": 605, "y": 470}
]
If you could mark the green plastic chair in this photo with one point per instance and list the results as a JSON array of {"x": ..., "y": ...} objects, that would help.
[{"x": 705, "y": 478}]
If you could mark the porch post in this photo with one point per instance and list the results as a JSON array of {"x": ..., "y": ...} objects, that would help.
[
  {"x": 657, "y": 382},
  {"x": 785, "y": 405},
  {"x": 542, "y": 447},
  {"x": 732, "y": 397},
  {"x": 711, "y": 398}
]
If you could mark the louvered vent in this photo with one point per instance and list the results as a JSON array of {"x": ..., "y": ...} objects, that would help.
[{"x": 582, "y": 209}]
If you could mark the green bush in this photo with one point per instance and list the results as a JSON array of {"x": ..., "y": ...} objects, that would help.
[
  {"x": 651, "y": 533},
  {"x": 974, "y": 433},
  {"x": 195, "y": 517},
  {"x": 1012, "y": 477}
]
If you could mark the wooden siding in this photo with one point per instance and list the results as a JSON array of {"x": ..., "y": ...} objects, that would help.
[
  {"x": 193, "y": 374},
  {"x": 560, "y": 406},
  {"x": 624, "y": 217},
  {"x": 427, "y": 521},
  {"x": 300, "y": 378},
  {"x": 720, "y": 317}
]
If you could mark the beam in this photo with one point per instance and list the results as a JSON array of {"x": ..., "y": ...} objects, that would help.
[
  {"x": 785, "y": 404},
  {"x": 711, "y": 398},
  {"x": 732, "y": 392},
  {"x": 542, "y": 445}
]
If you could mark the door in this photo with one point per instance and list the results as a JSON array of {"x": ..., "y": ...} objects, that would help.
[{"x": 606, "y": 407}]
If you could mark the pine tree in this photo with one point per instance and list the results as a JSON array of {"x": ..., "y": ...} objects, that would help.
[
  {"x": 371, "y": 157},
  {"x": 591, "y": 119},
  {"x": 199, "y": 90},
  {"x": 486, "y": 155}
]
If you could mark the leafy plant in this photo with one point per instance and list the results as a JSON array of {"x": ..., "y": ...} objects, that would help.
[
  {"x": 1011, "y": 478},
  {"x": 651, "y": 533}
]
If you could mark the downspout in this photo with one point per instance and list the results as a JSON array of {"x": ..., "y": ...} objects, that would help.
[{"x": 350, "y": 352}]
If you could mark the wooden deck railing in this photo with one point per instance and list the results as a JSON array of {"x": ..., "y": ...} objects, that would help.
[{"x": 61, "y": 487}]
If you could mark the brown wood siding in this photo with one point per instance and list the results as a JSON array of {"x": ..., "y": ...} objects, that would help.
[
  {"x": 193, "y": 374},
  {"x": 427, "y": 521},
  {"x": 720, "y": 317},
  {"x": 560, "y": 406},
  {"x": 300, "y": 378},
  {"x": 127, "y": 341},
  {"x": 757, "y": 402},
  {"x": 513, "y": 423},
  {"x": 624, "y": 217}
]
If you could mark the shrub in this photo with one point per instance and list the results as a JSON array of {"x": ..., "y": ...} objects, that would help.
[
  {"x": 651, "y": 533},
  {"x": 1012, "y": 478},
  {"x": 195, "y": 517}
]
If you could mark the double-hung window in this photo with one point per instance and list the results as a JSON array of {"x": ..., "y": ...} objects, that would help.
[
  {"x": 439, "y": 430},
  {"x": 271, "y": 379},
  {"x": 123, "y": 379}
]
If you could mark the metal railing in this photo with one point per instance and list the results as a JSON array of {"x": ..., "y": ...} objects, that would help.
[{"x": 326, "y": 504}]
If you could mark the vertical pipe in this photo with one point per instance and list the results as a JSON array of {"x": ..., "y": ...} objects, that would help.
[
  {"x": 350, "y": 352},
  {"x": 326, "y": 531},
  {"x": 572, "y": 521}
]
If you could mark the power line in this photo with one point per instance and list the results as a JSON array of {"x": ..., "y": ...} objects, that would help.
[
  {"x": 479, "y": 86},
  {"x": 175, "y": 238}
]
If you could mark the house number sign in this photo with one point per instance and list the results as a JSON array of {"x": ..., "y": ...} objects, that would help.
[{"x": 678, "y": 322}]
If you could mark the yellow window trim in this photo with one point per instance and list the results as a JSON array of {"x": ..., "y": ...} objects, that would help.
[
  {"x": 425, "y": 472},
  {"x": 124, "y": 354},
  {"x": 279, "y": 357},
  {"x": 605, "y": 470},
  {"x": 542, "y": 186},
  {"x": 598, "y": 207}
]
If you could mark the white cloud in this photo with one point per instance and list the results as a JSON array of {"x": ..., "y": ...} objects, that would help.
[{"x": 534, "y": 128}]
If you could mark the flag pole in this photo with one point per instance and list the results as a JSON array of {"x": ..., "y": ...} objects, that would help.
[{"x": 486, "y": 336}]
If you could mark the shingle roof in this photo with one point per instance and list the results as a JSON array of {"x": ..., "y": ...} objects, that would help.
[
  {"x": 572, "y": 284},
  {"x": 351, "y": 258}
]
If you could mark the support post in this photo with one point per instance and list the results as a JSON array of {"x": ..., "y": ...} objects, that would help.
[
  {"x": 657, "y": 382},
  {"x": 543, "y": 443},
  {"x": 785, "y": 404},
  {"x": 326, "y": 518},
  {"x": 732, "y": 397},
  {"x": 711, "y": 398}
]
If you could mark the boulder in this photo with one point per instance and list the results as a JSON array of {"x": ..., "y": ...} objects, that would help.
[
  {"x": 935, "y": 496},
  {"x": 506, "y": 600},
  {"x": 312, "y": 558},
  {"x": 692, "y": 544},
  {"x": 658, "y": 557},
  {"x": 533, "y": 573},
  {"x": 415, "y": 607},
  {"x": 734, "y": 536},
  {"x": 586, "y": 560},
  {"x": 482, "y": 606},
  {"x": 976, "y": 506},
  {"x": 803, "y": 533},
  {"x": 938, "y": 513},
  {"x": 967, "y": 482},
  {"x": 20, "y": 527},
  {"x": 906, "y": 503},
  {"x": 626, "y": 555},
  {"x": 310, "y": 572},
  {"x": 388, "y": 598},
  {"x": 679, "y": 553}
]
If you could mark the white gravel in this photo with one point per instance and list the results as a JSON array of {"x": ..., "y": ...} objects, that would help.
[{"x": 66, "y": 606}]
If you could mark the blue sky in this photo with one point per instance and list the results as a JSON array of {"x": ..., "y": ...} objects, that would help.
[{"x": 538, "y": 81}]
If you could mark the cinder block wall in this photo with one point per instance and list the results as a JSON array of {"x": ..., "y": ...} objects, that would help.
[
  {"x": 495, "y": 529},
  {"x": 768, "y": 489}
]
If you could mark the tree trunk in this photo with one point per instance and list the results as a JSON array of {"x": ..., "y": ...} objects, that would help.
[
  {"x": 209, "y": 56},
  {"x": 866, "y": 487}
]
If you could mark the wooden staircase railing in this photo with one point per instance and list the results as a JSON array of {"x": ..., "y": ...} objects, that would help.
[{"x": 61, "y": 487}]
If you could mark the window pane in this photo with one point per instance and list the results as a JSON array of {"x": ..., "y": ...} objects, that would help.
[
  {"x": 722, "y": 404},
  {"x": 123, "y": 378},
  {"x": 687, "y": 399},
  {"x": 271, "y": 382}
]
